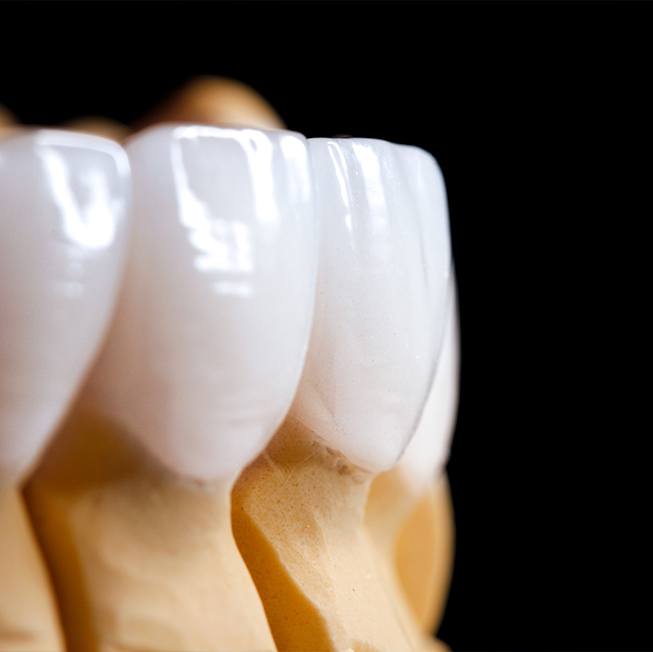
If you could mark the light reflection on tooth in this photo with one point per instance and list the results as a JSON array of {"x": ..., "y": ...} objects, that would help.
[
  {"x": 89, "y": 223},
  {"x": 223, "y": 245},
  {"x": 257, "y": 150}
]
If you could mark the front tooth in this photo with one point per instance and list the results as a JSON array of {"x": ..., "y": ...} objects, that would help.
[
  {"x": 200, "y": 366},
  {"x": 62, "y": 228},
  {"x": 211, "y": 331},
  {"x": 383, "y": 283},
  {"x": 380, "y": 310},
  {"x": 62, "y": 219}
]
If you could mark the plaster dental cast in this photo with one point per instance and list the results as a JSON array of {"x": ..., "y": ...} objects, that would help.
[{"x": 228, "y": 383}]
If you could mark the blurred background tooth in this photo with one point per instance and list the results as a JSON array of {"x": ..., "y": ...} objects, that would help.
[
  {"x": 200, "y": 367},
  {"x": 62, "y": 212},
  {"x": 381, "y": 307},
  {"x": 409, "y": 513},
  {"x": 216, "y": 101},
  {"x": 7, "y": 122},
  {"x": 204, "y": 100}
]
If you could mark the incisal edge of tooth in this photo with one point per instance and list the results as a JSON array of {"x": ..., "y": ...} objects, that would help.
[
  {"x": 99, "y": 126},
  {"x": 381, "y": 296},
  {"x": 200, "y": 365},
  {"x": 62, "y": 223}
]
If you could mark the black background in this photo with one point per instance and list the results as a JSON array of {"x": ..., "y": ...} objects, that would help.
[{"x": 537, "y": 115}]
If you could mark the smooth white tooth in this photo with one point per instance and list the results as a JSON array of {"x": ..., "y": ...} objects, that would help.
[
  {"x": 211, "y": 330},
  {"x": 385, "y": 263},
  {"x": 63, "y": 205},
  {"x": 428, "y": 450}
]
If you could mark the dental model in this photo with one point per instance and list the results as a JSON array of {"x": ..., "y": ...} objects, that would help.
[
  {"x": 382, "y": 294},
  {"x": 411, "y": 528},
  {"x": 62, "y": 219},
  {"x": 408, "y": 513},
  {"x": 200, "y": 367}
]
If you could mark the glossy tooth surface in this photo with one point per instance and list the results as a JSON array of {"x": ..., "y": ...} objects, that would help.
[
  {"x": 62, "y": 234},
  {"x": 385, "y": 264},
  {"x": 427, "y": 452},
  {"x": 212, "y": 326}
]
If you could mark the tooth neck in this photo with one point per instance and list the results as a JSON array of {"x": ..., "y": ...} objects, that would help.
[
  {"x": 103, "y": 454},
  {"x": 325, "y": 476}
]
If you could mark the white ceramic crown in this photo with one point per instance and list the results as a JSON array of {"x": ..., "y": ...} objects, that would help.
[
  {"x": 63, "y": 205},
  {"x": 212, "y": 325},
  {"x": 385, "y": 265}
]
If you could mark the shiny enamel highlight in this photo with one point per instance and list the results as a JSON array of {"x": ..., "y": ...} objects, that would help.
[
  {"x": 383, "y": 283},
  {"x": 63, "y": 235},
  {"x": 212, "y": 327}
]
